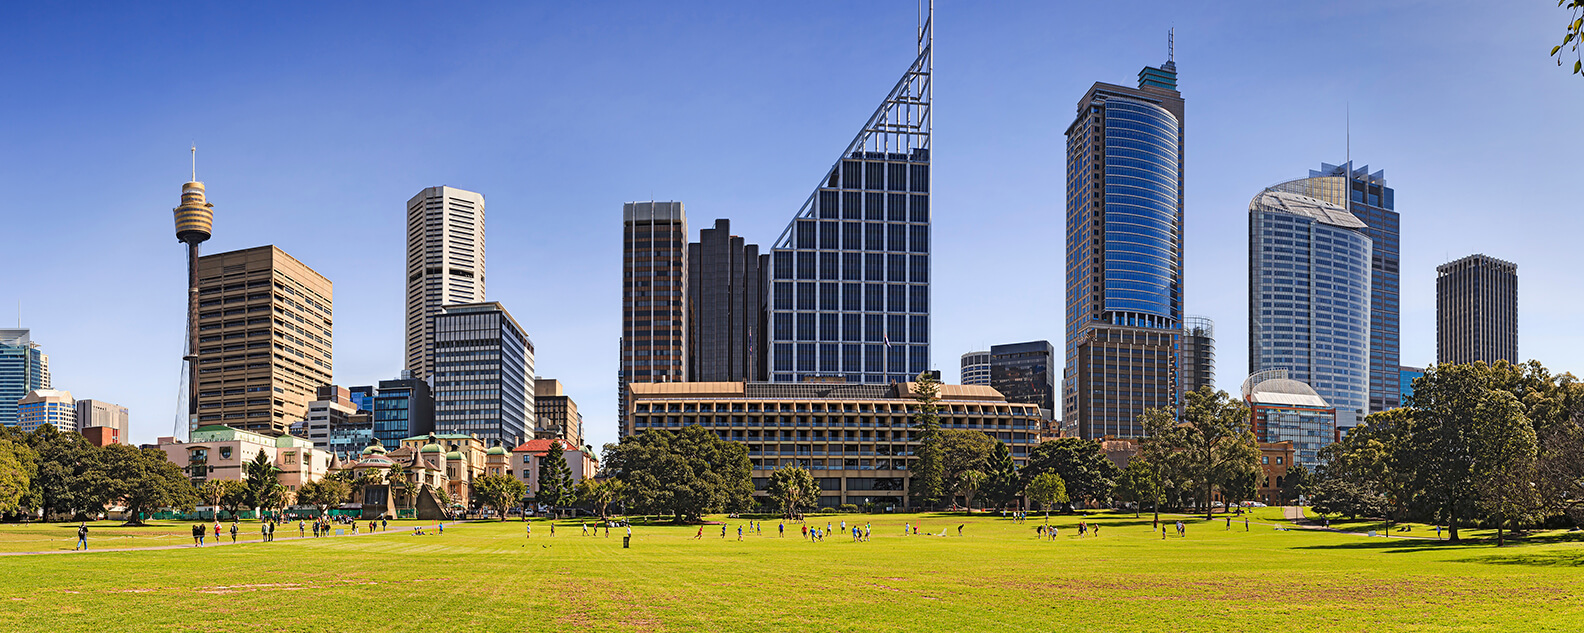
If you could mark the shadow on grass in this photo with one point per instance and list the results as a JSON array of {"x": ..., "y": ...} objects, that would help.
[{"x": 1545, "y": 559}]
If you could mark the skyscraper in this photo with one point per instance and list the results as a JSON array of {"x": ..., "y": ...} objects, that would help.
[
  {"x": 1476, "y": 311},
  {"x": 23, "y": 368},
  {"x": 263, "y": 339},
  {"x": 1198, "y": 353},
  {"x": 47, "y": 406},
  {"x": 1367, "y": 197},
  {"x": 725, "y": 307},
  {"x": 483, "y": 374},
  {"x": 654, "y": 296},
  {"x": 557, "y": 413},
  {"x": 404, "y": 408},
  {"x": 1124, "y": 254},
  {"x": 850, "y": 275},
  {"x": 1026, "y": 373},
  {"x": 445, "y": 264},
  {"x": 976, "y": 368},
  {"x": 1309, "y": 298}
]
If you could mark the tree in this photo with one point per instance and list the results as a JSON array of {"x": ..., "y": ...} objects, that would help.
[
  {"x": 1002, "y": 484},
  {"x": 600, "y": 493},
  {"x": 961, "y": 451},
  {"x": 968, "y": 484},
  {"x": 929, "y": 470},
  {"x": 685, "y": 473},
  {"x": 499, "y": 492},
  {"x": 324, "y": 493},
  {"x": 1213, "y": 444},
  {"x": 1047, "y": 489},
  {"x": 1294, "y": 483},
  {"x": 211, "y": 492},
  {"x": 1140, "y": 483},
  {"x": 56, "y": 486},
  {"x": 793, "y": 489},
  {"x": 1347, "y": 498},
  {"x": 233, "y": 494},
  {"x": 1571, "y": 35},
  {"x": 1082, "y": 464},
  {"x": 263, "y": 480},
  {"x": 1504, "y": 462},
  {"x": 1560, "y": 470},
  {"x": 18, "y": 467},
  {"x": 1437, "y": 452},
  {"x": 555, "y": 478},
  {"x": 141, "y": 479},
  {"x": 399, "y": 480}
]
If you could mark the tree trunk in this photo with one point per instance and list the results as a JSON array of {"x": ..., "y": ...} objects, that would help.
[
  {"x": 1452, "y": 526},
  {"x": 1499, "y": 541}
]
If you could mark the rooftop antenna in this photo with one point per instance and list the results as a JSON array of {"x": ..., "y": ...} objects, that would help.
[
  {"x": 1171, "y": 45},
  {"x": 194, "y": 163}
]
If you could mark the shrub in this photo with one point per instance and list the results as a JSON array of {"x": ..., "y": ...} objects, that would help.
[
  {"x": 848, "y": 507},
  {"x": 827, "y": 510}
]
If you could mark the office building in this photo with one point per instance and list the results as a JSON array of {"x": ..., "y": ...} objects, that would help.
[
  {"x": 976, "y": 368},
  {"x": 24, "y": 367},
  {"x": 1406, "y": 376},
  {"x": 1476, "y": 311},
  {"x": 445, "y": 264},
  {"x": 96, "y": 414},
  {"x": 725, "y": 307},
  {"x": 404, "y": 408},
  {"x": 263, "y": 339},
  {"x": 336, "y": 425},
  {"x": 1198, "y": 353},
  {"x": 1025, "y": 373},
  {"x": 858, "y": 440},
  {"x": 483, "y": 374},
  {"x": 557, "y": 413},
  {"x": 47, "y": 406},
  {"x": 1366, "y": 196},
  {"x": 362, "y": 397},
  {"x": 1309, "y": 298},
  {"x": 1285, "y": 410},
  {"x": 850, "y": 275},
  {"x": 654, "y": 295},
  {"x": 1124, "y": 254}
]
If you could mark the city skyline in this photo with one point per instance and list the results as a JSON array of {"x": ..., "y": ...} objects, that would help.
[{"x": 1003, "y": 177}]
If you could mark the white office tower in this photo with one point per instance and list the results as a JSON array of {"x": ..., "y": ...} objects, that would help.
[{"x": 445, "y": 264}]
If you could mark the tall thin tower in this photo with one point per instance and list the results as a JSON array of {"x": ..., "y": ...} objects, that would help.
[{"x": 194, "y": 225}]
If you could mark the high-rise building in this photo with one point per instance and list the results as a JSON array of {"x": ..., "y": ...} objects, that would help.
[
  {"x": 445, "y": 264},
  {"x": 24, "y": 367},
  {"x": 1406, "y": 376},
  {"x": 362, "y": 397},
  {"x": 483, "y": 374},
  {"x": 654, "y": 296},
  {"x": 47, "y": 406},
  {"x": 404, "y": 408},
  {"x": 1476, "y": 311},
  {"x": 1025, "y": 373},
  {"x": 725, "y": 307},
  {"x": 976, "y": 368},
  {"x": 194, "y": 225},
  {"x": 557, "y": 413},
  {"x": 1309, "y": 298},
  {"x": 336, "y": 425},
  {"x": 92, "y": 414},
  {"x": 850, "y": 274},
  {"x": 1367, "y": 197},
  {"x": 1124, "y": 254},
  {"x": 1198, "y": 353},
  {"x": 263, "y": 339},
  {"x": 1285, "y": 410}
]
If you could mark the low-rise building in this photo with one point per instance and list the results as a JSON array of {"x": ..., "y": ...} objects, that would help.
[
  {"x": 47, "y": 406},
  {"x": 1286, "y": 410},
  {"x": 105, "y": 422},
  {"x": 527, "y": 459},
  {"x": 220, "y": 452}
]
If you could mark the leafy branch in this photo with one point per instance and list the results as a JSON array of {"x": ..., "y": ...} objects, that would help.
[{"x": 1573, "y": 36}]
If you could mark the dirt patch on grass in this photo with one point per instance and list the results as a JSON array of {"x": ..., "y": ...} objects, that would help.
[{"x": 1428, "y": 589}]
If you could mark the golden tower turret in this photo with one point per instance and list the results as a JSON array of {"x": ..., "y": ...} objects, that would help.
[{"x": 195, "y": 216}]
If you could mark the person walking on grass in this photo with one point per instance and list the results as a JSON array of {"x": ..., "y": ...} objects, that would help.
[
  {"x": 782, "y": 527},
  {"x": 1163, "y": 532},
  {"x": 82, "y": 537},
  {"x": 700, "y": 535},
  {"x": 1182, "y": 530},
  {"x": 723, "y": 530},
  {"x": 217, "y": 531},
  {"x": 1095, "y": 529},
  {"x": 739, "y": 532},
  {"x": 1245, "y": 524},
  {"x": 233, "y": 531},
  {"x": 197, "y": 533},
  {"x": 1229, "y": 523},
  {"x": 300, "y": 526}
]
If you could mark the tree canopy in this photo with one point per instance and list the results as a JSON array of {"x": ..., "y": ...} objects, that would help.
[
  {"x": 793, "y": 489},
  {"x": 1088, "y": 473},
  {"x": 499, "y": 492},
  {"x": 685, "y": 473}
]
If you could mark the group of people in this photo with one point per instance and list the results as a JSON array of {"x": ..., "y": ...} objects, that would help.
[{"x": 198, "y": 533}]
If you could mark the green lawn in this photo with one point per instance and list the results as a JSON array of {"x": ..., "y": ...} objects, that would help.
[{"x": 998, "y": 576}]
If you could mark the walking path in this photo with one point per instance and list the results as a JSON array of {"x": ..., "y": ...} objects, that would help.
[
  {"x": 1295, "y": 514},
  {"x": 403, "y": 530}
]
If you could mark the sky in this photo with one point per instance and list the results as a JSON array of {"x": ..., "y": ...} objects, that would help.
[{"x": 314, "y": 125}]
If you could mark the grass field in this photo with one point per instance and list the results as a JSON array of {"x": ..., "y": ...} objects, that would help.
[{"x": 998, "y": 576}]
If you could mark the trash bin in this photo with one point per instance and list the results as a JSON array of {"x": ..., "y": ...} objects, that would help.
[{"x": 625, "y": 541}]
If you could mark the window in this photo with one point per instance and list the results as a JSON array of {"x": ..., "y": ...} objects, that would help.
[
  {"x": 290, "y": 458},
  {"x": 1265, "y": 459}
]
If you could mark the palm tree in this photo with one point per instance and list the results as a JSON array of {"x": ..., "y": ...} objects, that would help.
[{"x": 397, "y": 479}]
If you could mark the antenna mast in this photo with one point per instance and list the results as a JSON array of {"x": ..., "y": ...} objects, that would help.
[
  {"x": 1171, "y": 45},
  {"x": 194, "y": 163}
]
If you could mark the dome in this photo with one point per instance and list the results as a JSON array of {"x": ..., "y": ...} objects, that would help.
[
  {"x": 374, "y": 449},
  {"x": 454, "y": 455},
  {"x": 496, "y": 450},
  {"x": 430, "y": 448},
  {"x": 1285, "y": 391}
]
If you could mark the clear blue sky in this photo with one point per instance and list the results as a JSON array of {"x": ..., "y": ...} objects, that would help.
[{"x": 316, "y": 124}]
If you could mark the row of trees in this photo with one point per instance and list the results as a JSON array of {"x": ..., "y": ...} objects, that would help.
[
  {"x": 1499, "y": 445},
  {"x": 61, "y": 475}
]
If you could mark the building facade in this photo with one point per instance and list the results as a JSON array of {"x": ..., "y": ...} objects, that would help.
[
  {"x": 92, "y": 414},
  {"x": 483, "y": 373},
  {"x": 1366, "y": 196},
  {"x": 653, "y": 339},
  {"x": 858, "y": 440},
  {"x": 1198, "y": 353},
  {"x": 1286, "y": 410},
  {"x": 1310, "y": 297},
  {"x": 445, "y": 264},
  {"x": 976, "y": 368},
  {"x": 220, "y": 452},
  {"x": 1406, "y": 376},
  {"x": 1025, "y": 373},
  {"x": 557, "y": 413},
  {"x": 336, "y": 425},
  {"x": 1124, "y": 254},
  {"x": 403, "y": 408},
  {"x": 263, "y": 339},
  {"x": 47, "y": 406},
  {"x": 528, "y": 458},
  {"x": 725, "y": 307},
  {"x": 1476, "y": 311},
  {"x": 24, "y": 367},
  {"x": 850, "y": 275}
]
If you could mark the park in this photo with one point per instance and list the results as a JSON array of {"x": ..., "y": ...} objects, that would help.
[{"x": 491, "y": 575}]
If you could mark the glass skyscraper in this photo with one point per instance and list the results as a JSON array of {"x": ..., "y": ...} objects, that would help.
[
  {"x": 1367, "y": 197},
  {"x": 402, "y": 409},
  {"x": 1309, "y": 298},
  {"x": 23, "y": 368},
  {"x": 484, "y": 373},
  {"x": 849, "y": 277},
  {"x": 1124, "y": 254}
]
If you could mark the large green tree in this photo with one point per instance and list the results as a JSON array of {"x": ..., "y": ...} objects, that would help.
[
  {"x": 141, "y": 479},
  {"x": 929, "y": 470},
  {"x": 1047, "y": 489},
  {"x": 685, "y": 473},
  {"x": 1212, "y": 445},
  {"x": 963, "y": 450},
  {"x": 1139, "y": 483},
  {"x": 62, "y": 458},
  {"x": 18, "y": 467},
  {"x": 1504, "y": 462},
  {"x": 1082, "y": 464},
  {"x": 499, "y": 492},
  {"x": 324, "y": 493},
  {"x": 555, "y": 478},
  {"x": 793, "y": 489},
  {"x": 600, "y": 493},
  {"x": 1003, "y": 483}
]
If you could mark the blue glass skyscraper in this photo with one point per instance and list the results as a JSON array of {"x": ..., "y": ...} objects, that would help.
[
  {"x": 23, "y": 368},
  {"x": 1124, "y": 254}
]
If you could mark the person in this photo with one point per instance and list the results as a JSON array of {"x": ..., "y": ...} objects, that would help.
[
  {"x": 844, "y": 524},
  {"x": 217, "y": 531},
  {"x": 959, "y": 530},
  {"x": 915, "y": 530},
  {"x": 442, "y": 528},
  {"x": 383, "y": 524},
  {"x": 1245, "y": 524},
  {"x": 1054, "y": 531},
  {"x": 700, "y": 534},
  {"x": 1081, "y": 529},
  {"x": 782, "y": 527},
  {"x": 585, "y": 529},
  {"x": 1182, "y": 530},
  {"x": 1228, "y": 522},
  {"x": 316, "y": 529},
  {"x": 1095, "y": 530},
  {"x": 739, "y": 532},
  {"x": 1163, "y": 532},
  {"x": 867, "y": 532},
  {"x": 527, "y": 530},
  {"x": 82, "y": 537},
  {"x": 1438, "y": 532},
  {"x": 607, "y": 530},
  {"x": 629, "y": 531},
  {"x": 300, "y": 526},
  {"x": 906, "y": 527},
  {"x": 197, "y": 532},
  {"x": 263, "y": 532},
  {"x": 804, "y": 528},
  {"x": 233, "y": 531},
  {"x": 723, "y": 530},
  {"x": 354, "y": 528}
]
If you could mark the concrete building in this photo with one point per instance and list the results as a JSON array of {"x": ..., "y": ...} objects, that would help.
[
  {"x": 850, "y": 275},
  {"x": 336, "y": 425},
  {"x": 92, "y": 414},
  {"x": 528, "y": 458},
  {"x": 858, "y": 440},
  {"x": 263, "y": 339},
  {"x": 557, "y": 413},
  {"x": 976, "y": 369},
  {"x": 47, "y": 406},
  {"x": 1025, "y": 373},
  {"x": 24, "y": 367},
  {"x": 445, "y": 264},
  {"x": 1286, "y": 410},
  {"x": 1366, "y": 196},
  {"x": 403, "y": 408},
  {"x": 220, "y": 452},
  {"x": 483, "y": 373},
  {"x": 1309, "y": 299},
  {"x": 1124, "y": 254},
  {"x": 653, "y": 339},
  {"x": 1476, "y": 311},
  {"x": 1198, "y": 353},
  {"x": 1406, "y": 377},
  {"x": 725, "y": 307}
]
